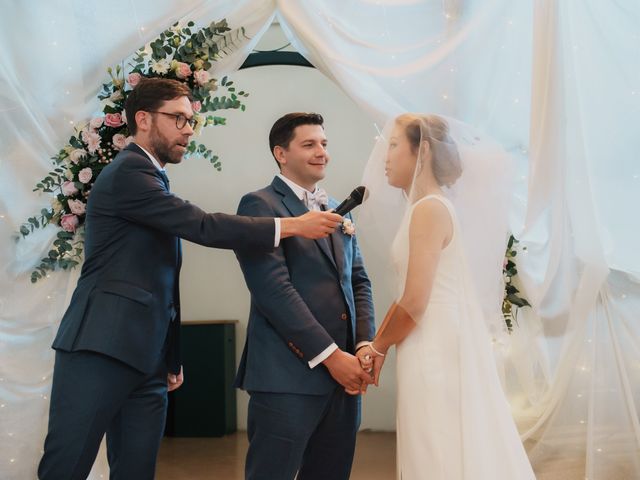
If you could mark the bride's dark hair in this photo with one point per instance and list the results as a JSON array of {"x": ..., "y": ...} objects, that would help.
[{"x": 445, "y": 160}]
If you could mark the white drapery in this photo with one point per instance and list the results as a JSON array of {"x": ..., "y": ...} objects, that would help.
[{"x": 557, "y": 83}]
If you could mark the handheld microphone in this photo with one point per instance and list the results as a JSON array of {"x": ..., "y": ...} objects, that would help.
[{"x": 352, "y": 201}]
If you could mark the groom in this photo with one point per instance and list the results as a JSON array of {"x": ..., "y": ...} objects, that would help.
[{"x": 311, "y": 308}]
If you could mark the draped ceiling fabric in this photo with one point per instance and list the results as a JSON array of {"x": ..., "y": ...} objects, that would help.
[{"x": 557, "y": 82}]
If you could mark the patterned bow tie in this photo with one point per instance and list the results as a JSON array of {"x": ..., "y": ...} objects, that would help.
[{"x": 316, "y": 199}]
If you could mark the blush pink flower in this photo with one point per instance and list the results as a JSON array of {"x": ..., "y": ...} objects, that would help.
[
  {"x": 78, "y": 207},
  {"x": 85, "y": 175},
  {"x": 69, "y": 222},
  {"x": 134, "y": 78},
  {"x": 196, "y": 105},
  {"x": 201, "y": 76},
  {"x": 119, "y": 141},
  {"x": 183, "y": 70},
  {"x": 96, "y": 122},
  {"x": 69, "y": 188},
  {"x": 92, "y": 139}
]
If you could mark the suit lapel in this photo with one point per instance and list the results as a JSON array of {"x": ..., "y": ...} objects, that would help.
[{"x": 297, "y": 208}]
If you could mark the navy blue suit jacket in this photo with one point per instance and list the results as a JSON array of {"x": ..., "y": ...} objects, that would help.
[
  {"x": 305, "y": 295},
  {"x": 126, "y": 303}
]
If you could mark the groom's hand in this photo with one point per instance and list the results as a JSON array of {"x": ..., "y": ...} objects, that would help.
[
  {"x": 313, "y": 224},
  {"x": 346, "y": 370},
  {"x": 174, "y": 381}
]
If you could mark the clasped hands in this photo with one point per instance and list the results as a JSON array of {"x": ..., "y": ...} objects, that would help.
[{"x": 355, "y": 372}]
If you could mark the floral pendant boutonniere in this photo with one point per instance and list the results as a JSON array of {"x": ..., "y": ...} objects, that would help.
[{"x": 348, "y": 227}]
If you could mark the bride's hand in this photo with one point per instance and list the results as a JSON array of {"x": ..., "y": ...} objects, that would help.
[{"x": 366, "y": 359}]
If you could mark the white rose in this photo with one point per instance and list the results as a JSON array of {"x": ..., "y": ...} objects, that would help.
[
  {"x": 115, "y": 96},
  {"x": 56, "y": 205},
  {"x": 76, "y": 155}
]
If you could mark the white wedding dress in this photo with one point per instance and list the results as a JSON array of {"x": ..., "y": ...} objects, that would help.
[{"x": 453, "y": 421}]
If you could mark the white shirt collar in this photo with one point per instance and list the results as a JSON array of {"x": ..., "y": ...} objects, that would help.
[
  {"x": 153, "y": 159},
  {"x": 297, "y": 189}
]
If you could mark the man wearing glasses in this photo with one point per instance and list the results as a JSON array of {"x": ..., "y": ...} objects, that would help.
[{"x": 117, "y": 345}]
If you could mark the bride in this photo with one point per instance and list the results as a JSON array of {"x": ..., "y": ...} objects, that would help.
[{"x": 453, "y": 421}]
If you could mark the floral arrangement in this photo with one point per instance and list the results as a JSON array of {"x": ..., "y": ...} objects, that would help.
[
  {"x": 179, "y": 53},
  {"x": 512, "y": 300}
]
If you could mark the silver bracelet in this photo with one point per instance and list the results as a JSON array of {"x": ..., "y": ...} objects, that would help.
[{"x": 375, "y": 351}]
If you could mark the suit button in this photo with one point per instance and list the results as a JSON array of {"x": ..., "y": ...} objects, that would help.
[{"x": 343, "y": 316}]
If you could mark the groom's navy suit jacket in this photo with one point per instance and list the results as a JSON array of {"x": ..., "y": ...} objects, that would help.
[
  {"x": 126, "y": 304},
  {"x": 305, "y": 295}
]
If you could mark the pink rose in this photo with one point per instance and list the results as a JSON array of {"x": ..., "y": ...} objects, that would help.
[
  {"x": 85, "y": 175},
  {"x": 69, "y": 188},
  {"x": 69, "y": 222},
  {"x": 201, "y": 76},
  {"x": 129, "y": 140},
  {"x": 92, "y": 139},
  {"x": 113, "y": 120},
  {"x": 134, "y": 79},
  {"x": 119, "y": 141},
  {"x": 96, "y": 123},
  {"x": 196, "y": 106},
  {"x": 77, "y": 206},
  {"x": 182, "y": 70}
]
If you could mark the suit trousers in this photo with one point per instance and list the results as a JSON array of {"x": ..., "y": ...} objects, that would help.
[
  {"x": 312, "y": 435},
  {"x": 94, "y": 394}
]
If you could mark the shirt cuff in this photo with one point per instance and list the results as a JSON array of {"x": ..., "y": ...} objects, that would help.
[
  {"x": 314, "y": 362},
  {"x": 276, "y": 242},
  {"x": 362, "y": 344}
]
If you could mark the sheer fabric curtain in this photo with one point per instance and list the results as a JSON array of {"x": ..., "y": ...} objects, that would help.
[{"x": 555, "y": 82}]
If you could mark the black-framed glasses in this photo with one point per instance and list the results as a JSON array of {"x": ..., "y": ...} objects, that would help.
[{"x": 181, "y": 120}]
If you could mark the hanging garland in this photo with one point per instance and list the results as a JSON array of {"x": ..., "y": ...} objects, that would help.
[
  {"x": 513, "y": 299},
  {"x": 180, "y": 53}
]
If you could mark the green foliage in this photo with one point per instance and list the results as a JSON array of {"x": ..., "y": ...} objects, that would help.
[
  {"x": 183, "y": 53},
  {"x": 512, "y": 299}
]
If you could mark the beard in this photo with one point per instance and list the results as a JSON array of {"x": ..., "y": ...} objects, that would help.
[{"x": 165, "y": 150}]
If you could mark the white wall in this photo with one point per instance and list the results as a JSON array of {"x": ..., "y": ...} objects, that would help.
[{"x": 212, "y": 284}]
